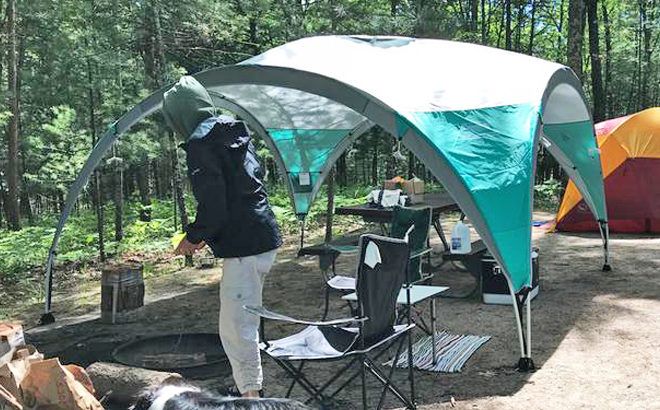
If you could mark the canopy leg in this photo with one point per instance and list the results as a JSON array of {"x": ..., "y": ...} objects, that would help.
[
  {"x": 605, "y": 234},
  {"x": 47, "y": 317},
  {"x": 302, "y": 233},
  {"x": 525, "y": 364},
  {"x": 521, "y": 336}
]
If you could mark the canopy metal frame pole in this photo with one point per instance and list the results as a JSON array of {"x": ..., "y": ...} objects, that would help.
[{"x": 605, "y": 234}]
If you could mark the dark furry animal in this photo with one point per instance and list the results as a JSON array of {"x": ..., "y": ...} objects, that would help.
[{"x": 186, "y": 397}]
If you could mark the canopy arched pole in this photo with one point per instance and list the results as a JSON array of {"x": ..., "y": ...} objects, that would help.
[{"x": 367, "y": 105}]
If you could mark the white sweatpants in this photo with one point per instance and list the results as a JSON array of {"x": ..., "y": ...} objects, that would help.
[{"x": 242, "y": 284}]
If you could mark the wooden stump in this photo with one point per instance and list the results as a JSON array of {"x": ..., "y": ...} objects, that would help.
[{"x": 122, "y": 290}]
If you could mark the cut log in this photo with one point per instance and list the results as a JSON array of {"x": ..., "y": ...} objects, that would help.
[{"x": 122, "y": 384}]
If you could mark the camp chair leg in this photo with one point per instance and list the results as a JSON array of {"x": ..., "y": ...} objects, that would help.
[
  {"x": 389, "y": 377},
  {"x": 293, "y": 382},
  {"x": 373, "y": 369},
  {"x": 301, "y": 380},
  {"x": 356, "y": 374},
  {"x": 335, "y": 377},
  {"x": 363, "y": 376},
  {"x": 411, "y": 376},
  {"x": 327, "y": 302}
]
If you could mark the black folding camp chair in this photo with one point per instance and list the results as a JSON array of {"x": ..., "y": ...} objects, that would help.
[
  {"x": 381, "y": 273},
  {"x": 402, "y": 221}
]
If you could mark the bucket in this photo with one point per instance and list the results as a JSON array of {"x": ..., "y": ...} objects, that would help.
[{"x": 122, "y": 290}]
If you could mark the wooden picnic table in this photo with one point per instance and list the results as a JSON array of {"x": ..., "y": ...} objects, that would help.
[{"x": 439, "y": 202}]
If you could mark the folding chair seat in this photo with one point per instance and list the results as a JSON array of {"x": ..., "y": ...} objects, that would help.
[{"x": 381, "y": 273}]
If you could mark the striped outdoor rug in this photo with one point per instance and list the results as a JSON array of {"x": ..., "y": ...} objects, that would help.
[{"x": 452, "y": 352}]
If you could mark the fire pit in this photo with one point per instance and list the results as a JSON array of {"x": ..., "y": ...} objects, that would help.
[{"x": 194, "y": 355}]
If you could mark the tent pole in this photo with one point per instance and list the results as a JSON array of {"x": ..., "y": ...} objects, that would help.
[{"x": 605, "y": 234}]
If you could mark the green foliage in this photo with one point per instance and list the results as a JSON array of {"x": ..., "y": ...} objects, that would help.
[
  {"x": 548, "y": 194},
  {"x": 25, "y": 250}
]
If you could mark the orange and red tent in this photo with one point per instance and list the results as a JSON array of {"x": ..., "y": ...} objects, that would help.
[{"x": 630, "y": 157}]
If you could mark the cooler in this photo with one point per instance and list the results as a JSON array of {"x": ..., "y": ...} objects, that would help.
[{"x": 494, "y": 287}]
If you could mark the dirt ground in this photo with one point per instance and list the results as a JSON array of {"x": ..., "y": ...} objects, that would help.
[{"x": 595, "y": 342}]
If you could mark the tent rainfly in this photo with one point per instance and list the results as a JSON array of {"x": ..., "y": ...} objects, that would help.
[
  {"x": 630, "y": 158},
  {"x": 474, "y": 115}
]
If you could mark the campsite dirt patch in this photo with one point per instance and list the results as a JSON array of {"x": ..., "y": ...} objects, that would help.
[{"x": 596, "y": 335}]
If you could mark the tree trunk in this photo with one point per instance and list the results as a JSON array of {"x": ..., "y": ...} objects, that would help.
[
  {"x": 532, "y": 22},
  {"x": 608, "y": 61},
  {"x": 331, "y": 206},
  {"x": 177, "y": 190},
  {"x": 647, "y": 49},
  {"x": 507, "y": 24},
  {"x": 484, "y": 23},
  {"x": 560, "y": 28},
  {"x": 520, "y": 14},
  {"x": 374, "y": 161},
  {"x": 411, "y": 165},
  {"x": 97, "y": 187},
  {"x": 26, "y": 206},
  {"x": 474, "y": 12},
  {"x": 122, "y": 383},
  {"x": 13, "y": 214},
  {"x": 638, "y": 84},
  {"x": 596, "y": 70},
  {"x": 118, "y": 197},
  {"x": 342, "y": 174},
  {"x": 575, "y": 32},
  {"x": 143, "y": 190},
  {"x": 393, "y": 6}
]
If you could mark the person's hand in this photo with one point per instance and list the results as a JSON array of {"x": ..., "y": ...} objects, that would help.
[{"x": 186, "y": 247}]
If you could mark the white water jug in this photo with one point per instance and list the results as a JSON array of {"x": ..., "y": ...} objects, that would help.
[{"x": 460, "y": 239}]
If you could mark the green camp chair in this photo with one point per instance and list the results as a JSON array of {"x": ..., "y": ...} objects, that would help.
[
  {"x": 420, "y": 218},
  {"x": 402, "y": 221}
]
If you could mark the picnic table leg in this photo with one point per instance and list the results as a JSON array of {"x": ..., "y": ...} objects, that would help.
[{"x": 438, "y": 228}]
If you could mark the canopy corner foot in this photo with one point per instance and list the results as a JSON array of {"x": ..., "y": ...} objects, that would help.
[
  {"x": 607, "y": 267},
  {"x": 526, "y": 364},
  {"x": 46, "y": 319}
]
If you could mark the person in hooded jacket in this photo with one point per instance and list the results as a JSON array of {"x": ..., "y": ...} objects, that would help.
[{"x": 233, "y": 218}]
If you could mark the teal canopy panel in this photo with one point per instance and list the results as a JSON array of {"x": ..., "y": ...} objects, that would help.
[
  {"x": 305, "y": 153},
  {"x": 491, "y": 151},
  {"x": 577, "y": 143}
]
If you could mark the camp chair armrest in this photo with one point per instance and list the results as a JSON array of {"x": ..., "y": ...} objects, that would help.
[
  {"x": 420, "y": 252},
  {"x": 267, "y": 314}
]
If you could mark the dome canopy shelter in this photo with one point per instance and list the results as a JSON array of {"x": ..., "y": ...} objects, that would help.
[{"x": 473, "y": 114}]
